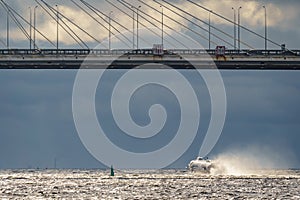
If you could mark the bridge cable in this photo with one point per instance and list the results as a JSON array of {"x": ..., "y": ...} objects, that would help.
[
  {"x": 56, "y": 12},
  {"x": 3, "y": 43},
  {"x": 59, "y": 23},
  {"x": 194, "y": 24},
  {"x": 11, "y": 9},
  {"x": 76, "y": 25},
  {"x": 130, "y": 5},
  {"x": 165, "y": 15},
  {"x": 155, "y": 33},
  {"x": 100, "y": 42},
  {"x": 19, "y": 25},
  {"x": 59, "y": 13},
  {"x": 243, "y": 27},
  {"x": 93, "y": 9},
  {"x": 221, "y": 31},
  {"x": 124, "y": 2}
]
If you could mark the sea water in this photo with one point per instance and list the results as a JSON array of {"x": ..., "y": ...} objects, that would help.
[{"x": 148, "y": 184}]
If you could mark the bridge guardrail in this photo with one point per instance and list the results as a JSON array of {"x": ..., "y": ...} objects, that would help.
[{"x": 76, "y": 52}]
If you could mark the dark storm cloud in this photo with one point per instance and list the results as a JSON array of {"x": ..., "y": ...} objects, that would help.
[
  {"x": 36, "y": 122},
  {"x": 262, "y": 113},
  {"x": 273, "y": 101}
]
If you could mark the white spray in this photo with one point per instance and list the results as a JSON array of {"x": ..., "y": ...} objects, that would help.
[{"x": 252, "y": 160}]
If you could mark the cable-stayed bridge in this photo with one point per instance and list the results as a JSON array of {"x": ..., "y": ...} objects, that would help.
[{"x": 224, "y": 50}]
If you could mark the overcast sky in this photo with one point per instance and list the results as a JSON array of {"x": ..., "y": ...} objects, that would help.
[
  {"x": 36, "y": 121},
  {"x": 282, "y": 23}
]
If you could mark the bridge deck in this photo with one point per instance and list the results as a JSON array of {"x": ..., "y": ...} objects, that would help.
[{"x": 126, "y": 59}]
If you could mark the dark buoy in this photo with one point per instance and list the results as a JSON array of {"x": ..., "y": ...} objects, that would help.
[{"x": 112, "y": 173}]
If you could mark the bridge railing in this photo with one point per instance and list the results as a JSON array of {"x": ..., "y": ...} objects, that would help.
[{"x": 75, "y": 52}]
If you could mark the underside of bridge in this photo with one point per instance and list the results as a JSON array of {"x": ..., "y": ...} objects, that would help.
[{"x": 148, "y": 59}]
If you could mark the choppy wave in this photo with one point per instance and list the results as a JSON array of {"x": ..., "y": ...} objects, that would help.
[{"x": 147, "y": 184}]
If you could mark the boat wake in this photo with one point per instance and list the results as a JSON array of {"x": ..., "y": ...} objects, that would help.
[{"x": 249, "y": 161}]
